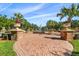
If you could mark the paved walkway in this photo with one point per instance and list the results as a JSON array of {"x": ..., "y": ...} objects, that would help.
[{"x": 42, "y": 45}]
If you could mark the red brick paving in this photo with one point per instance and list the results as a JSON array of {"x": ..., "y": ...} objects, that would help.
[{"x": 38, "y": 45}]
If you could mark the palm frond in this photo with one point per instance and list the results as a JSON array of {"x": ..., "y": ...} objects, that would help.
[{"x": 59, "y": 14}]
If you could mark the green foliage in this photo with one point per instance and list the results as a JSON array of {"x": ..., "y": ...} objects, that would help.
[
  {"x": 35, "y": 27},
  {"x": 8, "y": 23},
  {"x": 51, "y": 24},
  {"x": 58, "y": 26},
  {"x": 24, "y": 23},
  {"x": 6, "y": 48},
  {"x": 18, "y": 16},
  {"x": 44, "y": 28},
  {"x": 71, "y": 12},
  {"x": 75, "y": 23}
]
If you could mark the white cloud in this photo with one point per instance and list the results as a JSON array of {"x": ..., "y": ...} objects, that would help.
[
  {"x": 43, "y": 15},
  {"x": 26, "y": 10}
]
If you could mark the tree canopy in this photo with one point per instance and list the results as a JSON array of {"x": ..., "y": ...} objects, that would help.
[
  {"x": 8, "y": 23},
  {"x": 71, "y": 12}
]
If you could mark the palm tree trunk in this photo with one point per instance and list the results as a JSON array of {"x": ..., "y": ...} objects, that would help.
[{"x": 69, "y": 21}]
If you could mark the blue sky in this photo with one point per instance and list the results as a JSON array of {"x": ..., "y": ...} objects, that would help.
[{"x": 37, "y": 13}]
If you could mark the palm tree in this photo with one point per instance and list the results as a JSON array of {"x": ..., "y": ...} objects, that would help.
[
  {"x": 19, "y": 18},
  {"x": 24, "y": 23},
  {"x": 18, "y": 15},
  {"x": 69, "y": 13}
]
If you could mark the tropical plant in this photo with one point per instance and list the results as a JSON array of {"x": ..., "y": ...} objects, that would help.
[
  {"x": 71, "y": 12},
  {"x": 5, "y": 22},
  {"x": 75, "y": 24},
  {"x": 24, "y": 23},
  {"x": 18, "y": 15},
  {"x": 51, "y": 24},
  {"x": 35, "y": 27},
  {"x": 58, "y": 26},
  {"x": 8, "y": 23}
]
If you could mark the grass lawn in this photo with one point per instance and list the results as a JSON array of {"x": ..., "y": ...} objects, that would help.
[
  {"x": 6, "y": 48},
  {"x": 75, "y": 44}
]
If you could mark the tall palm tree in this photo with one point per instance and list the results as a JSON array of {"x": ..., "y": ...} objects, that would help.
[{"x": 69, "y": 12}]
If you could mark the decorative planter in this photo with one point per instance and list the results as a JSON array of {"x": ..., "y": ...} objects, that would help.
[
  {"x": 66, "y": 26},
  {"x": 67, "y": 35}
]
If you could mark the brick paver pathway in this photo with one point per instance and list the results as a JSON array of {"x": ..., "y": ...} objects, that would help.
[{"x": 42, "y": 45}]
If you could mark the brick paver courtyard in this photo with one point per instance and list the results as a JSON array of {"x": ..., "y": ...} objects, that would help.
[{"x": 42, "y": 45}]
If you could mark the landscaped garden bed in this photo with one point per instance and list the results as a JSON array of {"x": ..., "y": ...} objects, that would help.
[{"x": 6, "y": 48}]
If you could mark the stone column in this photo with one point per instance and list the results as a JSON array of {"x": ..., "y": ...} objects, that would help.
[
  {"x": 19, "y": 35},
  {"x": 67, "y": 35}
]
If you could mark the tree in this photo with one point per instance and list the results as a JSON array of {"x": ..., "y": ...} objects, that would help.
[
  {"x": 5, "y": 22},
  {"x": 51, "y": 24},
  {"x": 18, "y": 15},
  {"x": 44, "y": 28},
  {"x": 71, "y": 12},
  {"x": 24, "y": 23},
  {"x": 58, "y": 26},
  {"x": 8, "y": 23},
  {"x": 75, "y": 24},
  {"x": 35, "y": 27}
]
